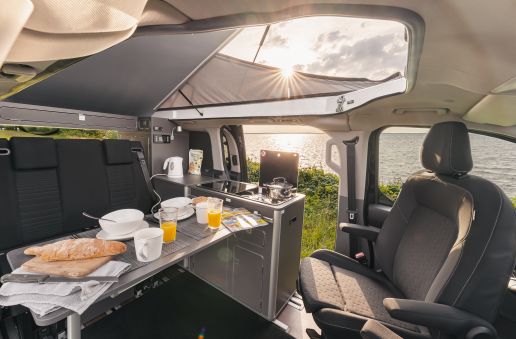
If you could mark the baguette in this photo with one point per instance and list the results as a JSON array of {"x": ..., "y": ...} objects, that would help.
[{"x": 76, "y": 249}]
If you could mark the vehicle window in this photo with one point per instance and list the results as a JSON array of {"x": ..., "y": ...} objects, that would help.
[
  {"x": 303, "y": 57},
  {"x": 7, "y": 132},
  {"x": 493, "y": 159},
  {"x": 329, "y": 46}
]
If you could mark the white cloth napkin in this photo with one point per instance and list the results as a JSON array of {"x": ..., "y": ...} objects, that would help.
[{"x": 48, "y": 297}]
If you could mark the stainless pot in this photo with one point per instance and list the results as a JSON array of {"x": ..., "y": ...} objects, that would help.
[{"x": 279, "y": 189}]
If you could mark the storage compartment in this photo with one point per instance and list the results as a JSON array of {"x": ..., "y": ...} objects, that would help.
[
  {"x": 248, "y": 278},
  {"x": 214, "y": 264}
]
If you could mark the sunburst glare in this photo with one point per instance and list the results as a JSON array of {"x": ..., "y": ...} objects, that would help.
[{"x": 287, "y": 71}]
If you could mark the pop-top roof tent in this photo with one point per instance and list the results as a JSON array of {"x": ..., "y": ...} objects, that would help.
[
  {"x": 160, "y": 49},
  {"x": 248, "y": 82}
]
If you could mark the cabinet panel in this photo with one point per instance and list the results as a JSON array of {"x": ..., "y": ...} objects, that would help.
[
  {"x": 214, "y": 264},
  {"x": 290, "y": 253},
  {"x": 256, "y": 237},
  {"x": 248, "y": 278}
]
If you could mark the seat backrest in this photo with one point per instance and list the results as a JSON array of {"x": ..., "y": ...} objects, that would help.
[
  {"x": 8, "y": 205},
  {"x": 46, "y": 184},
  {"x": 83, "y": 182},
  {"x": 450, "y": 237},
  {"x": 36, "y": 181},
  {"x": 126, "y": 184}
]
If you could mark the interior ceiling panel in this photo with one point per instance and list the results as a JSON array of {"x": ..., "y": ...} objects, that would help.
[{"x": 130, "y": 78}]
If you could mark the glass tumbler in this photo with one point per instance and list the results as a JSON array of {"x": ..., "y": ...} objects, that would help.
[
  {"x": 168, "y": 223},
  {"x": 214, "y": 212}
]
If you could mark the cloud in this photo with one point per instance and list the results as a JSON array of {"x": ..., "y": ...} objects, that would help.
[
  {"x": 376, "y": 57},
  {"x": 276, "y": 41},
  {"x": 329, "y": 38}
]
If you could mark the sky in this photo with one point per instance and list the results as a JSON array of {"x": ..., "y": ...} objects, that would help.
[{"x": 333, "y": 46}]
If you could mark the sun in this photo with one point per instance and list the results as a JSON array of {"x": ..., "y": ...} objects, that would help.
[{"x": 287, "y": 71}]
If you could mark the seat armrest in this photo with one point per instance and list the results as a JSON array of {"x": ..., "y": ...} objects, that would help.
[
  {"x": 367, "y": 232},
  {"x": 438, "y": 316}
]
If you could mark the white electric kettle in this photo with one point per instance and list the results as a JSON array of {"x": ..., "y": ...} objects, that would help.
[{"x": 175, "y": 167}]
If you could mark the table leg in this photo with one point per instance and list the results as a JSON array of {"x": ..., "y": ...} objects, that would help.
[
  {"x": 73, "y": 326},
  {"x": 186, "y": 263}
]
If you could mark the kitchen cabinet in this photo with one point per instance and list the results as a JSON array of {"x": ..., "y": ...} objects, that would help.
[{"x": 257, "y": 267}]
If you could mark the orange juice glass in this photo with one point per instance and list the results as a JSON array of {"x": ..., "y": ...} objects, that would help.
[
  {"x": 214, "y": 213},
  {"x": 168, "y": 223}
]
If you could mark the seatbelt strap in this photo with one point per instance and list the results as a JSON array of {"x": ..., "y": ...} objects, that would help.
[
  {"x": 352, "y": 203},
  {"x": 145, "y": 169},
  {"x": 350, "y": 157}
]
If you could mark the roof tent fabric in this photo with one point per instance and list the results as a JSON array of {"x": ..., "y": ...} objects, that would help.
[
  {"x": 130, "y": 78},
  {"x": 75, "y": 28},
  {"x": 227, "y": 80}
]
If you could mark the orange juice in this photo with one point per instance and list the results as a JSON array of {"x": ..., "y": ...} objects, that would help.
[
  {"x": 214, "y": 218},
  {"x": 169, "y": 230}
]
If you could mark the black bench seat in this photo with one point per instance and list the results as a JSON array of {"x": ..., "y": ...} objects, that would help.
[{"x": 45, "y": 184}]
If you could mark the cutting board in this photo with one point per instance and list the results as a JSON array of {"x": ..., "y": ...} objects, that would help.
[{"x": 68, "y": 268}]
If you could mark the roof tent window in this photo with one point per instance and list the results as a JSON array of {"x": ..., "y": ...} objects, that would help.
[
  {"x": 301, "y": 58},
  {"x": 328, "y": 46}
]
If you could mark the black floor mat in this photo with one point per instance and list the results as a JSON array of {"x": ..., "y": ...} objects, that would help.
[{"x": 184, "y": 307}]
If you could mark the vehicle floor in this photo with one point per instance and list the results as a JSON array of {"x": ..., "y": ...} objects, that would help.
[
  {"x": 183, "y": 307},
  {"x": 298, "y": 321}
]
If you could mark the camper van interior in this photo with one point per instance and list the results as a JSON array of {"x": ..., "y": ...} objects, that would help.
[{"x": 317, "y": 169}]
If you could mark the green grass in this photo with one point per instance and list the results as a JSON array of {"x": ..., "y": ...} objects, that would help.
[
  {"x": 9, "y": 132},
  {"x": 391, "y": 189},
  {"x": 322, "y": 195}
]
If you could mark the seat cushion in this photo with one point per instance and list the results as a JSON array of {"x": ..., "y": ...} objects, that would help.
[
  {"x": 364, "y": 296},
  {"x": 320, "y": 289},
  {"x": 343, "y": 293}
]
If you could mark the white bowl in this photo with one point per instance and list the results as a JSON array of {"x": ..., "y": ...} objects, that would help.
[
  {"x": 181, "y": 203},
  {"x": 127, "y": 220}
]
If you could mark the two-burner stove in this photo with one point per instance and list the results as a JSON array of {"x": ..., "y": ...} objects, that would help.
[
  {"x": 244, "y": 190},
  {"x": 265, "y": 199}
]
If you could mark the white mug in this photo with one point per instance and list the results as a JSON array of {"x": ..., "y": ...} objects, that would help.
[
  {"x": 148, "y": 244},
  {"x": 202, "y": 212}
]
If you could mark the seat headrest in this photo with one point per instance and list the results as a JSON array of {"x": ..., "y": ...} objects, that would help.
[
  {"x": 446, "y": 149},
  {"x": 33, "y": 153},
  {"x": 118, "y": 152}
]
